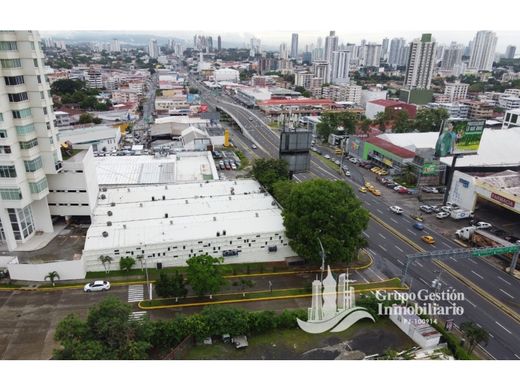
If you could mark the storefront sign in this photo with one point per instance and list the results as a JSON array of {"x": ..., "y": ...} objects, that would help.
[
  {"x": 387, "y": 162},
  {"x": 503, "y": 200}
]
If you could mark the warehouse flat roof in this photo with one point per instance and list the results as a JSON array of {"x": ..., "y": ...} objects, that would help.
[
  {"x": 507, "y": 181},
  {"x": 188, "y": 212},
  {"x": 174, "y": 168}
]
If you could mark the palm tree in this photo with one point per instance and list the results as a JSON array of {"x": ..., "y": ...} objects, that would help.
[
  {"x": 474, "y": 334},
  {"x": 106, "y": 260},
  {"x": 52, "y": 276}
]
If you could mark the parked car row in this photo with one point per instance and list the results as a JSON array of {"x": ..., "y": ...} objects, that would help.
[
  {"x": 433, "y": 190},
  {"x": 227, "y": 164}
]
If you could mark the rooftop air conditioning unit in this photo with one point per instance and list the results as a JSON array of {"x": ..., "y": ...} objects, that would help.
[
  {"x": 103, "y": 196},
  {"x": 104, "y": 234},
  {"x": 112, "y": 204},
  {"x": 109, "y": 223},
  {"x": 109, "y": 213}
]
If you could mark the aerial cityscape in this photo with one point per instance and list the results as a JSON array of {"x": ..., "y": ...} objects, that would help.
[{"x": 215, "y": 196}]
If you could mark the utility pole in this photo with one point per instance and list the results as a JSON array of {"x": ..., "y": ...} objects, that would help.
[{"x": 322, "y": 254}]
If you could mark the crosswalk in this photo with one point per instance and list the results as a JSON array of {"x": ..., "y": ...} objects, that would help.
[
  {"x": 137, "y": 316},
  {"x": 135, "y": 293}
]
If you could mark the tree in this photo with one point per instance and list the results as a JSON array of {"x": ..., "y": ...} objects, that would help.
[
  {"x": 193, "y": 90},
  {"x": 328, "y": 210},
  {"x": 204, "y": 275},
  {"x": 106, "y": 261},
  {"x": 126, "y": 263},
  {"x": 430, "y": 119},
  {"x": 52, "y": 276},
  {"x": 365, "y": 125},
  {"x": 244, "y": 284},
  {"x": 380, "y": 120},
  {"x": 402, "y": 122},
  {"x": 171, "y": 286},
  {"x": 474, "y": 334},
  {"x": 331, "y": 122},
  {"x": 86, "y": 118},
  {"x": 269, "y": 171},
  {"x": 66, "y": 86},
  {"x": 106, "y": 334}
]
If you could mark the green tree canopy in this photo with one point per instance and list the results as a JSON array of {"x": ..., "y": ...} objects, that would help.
[
  {"x": 269, "y": 171},
  {"x": 402, "y": 122},
  {"x": 331, "y": 121},
  {"x": 204, "y": 275},
  {"x": 106, "y": 334},
  {"x": 171, "y": 285},
  {"x": 325, "y": 209},
  {"x": 66, "y": 86},
  {"x": 474, "y": 334},
  {"x": 126, "y": 263},
  {"x": 429, "y": 119}
]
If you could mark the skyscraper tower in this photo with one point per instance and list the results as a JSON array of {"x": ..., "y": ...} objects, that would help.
[
  {"x": 510, "y": 52},
  {"x": 395, "y": 52},
  {"x": 284, "y": 55},
  {"x": 483, "y": 51},
  {"x": 384, "y": 48},
  {"x": 294, "y": 45},
  {"x": 340, "y": 67},
  {"x": 219, "y": 43},
  {"x": 421, "y": 60},
  {"x": 331, "y": 45},
  {"x": 29, "y": 148},
  {"x": 153, "y": 48},
  {"x": 452, "y": 57}
]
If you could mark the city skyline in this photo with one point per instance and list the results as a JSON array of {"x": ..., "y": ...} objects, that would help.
[{"x": 271, "y": 40}]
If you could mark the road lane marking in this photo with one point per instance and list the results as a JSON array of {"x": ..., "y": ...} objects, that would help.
[
  {"x": 379, "y": 211},
  {"x": 491, "y": 336},
  {"x": 424, "y": 281},
  {"x": 400, "y": 262},
  {"x": 418, "y": 264},
  {"x": 473, "y": 261},
  {"x": 399, "y": 248},
  {"x": 382, "y": 247},
  {"x": 411, "y": 231},
  {"x": 383, "y": 237},
  {"x": 374, "y": 272},
  {"x": 454, "y": 259},
  {"x": 471, "y": 303},
  {"x": 366, "y": 234},
  {"x": 518, "y": 357},
  {"x": 503, "y": 327},
  {"x": 480, "y": 276},
  {"x": 393, "y": 220},
  {"x": 446, "y": 245},
  {"x": 509, "y": 295},
  {"x": 503, "y": 280}
]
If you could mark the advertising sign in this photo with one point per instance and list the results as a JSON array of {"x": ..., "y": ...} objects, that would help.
[
  {"x": 503, "y": 200},
  {"x": 429, "y": 169},
  {"x": 459, "y": 137}
]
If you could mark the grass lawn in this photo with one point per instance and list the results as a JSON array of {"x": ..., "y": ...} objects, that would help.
[
  {"x": 292, "y": 343},
  {"x": 328, "y": 162}
]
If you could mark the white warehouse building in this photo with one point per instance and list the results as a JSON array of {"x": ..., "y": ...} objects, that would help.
[
  {"x": 169, "y": 224},
  {"x": 227, "y": 74}
]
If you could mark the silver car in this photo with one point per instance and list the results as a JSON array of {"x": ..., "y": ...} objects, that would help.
[{"x": 98, "y": 285}]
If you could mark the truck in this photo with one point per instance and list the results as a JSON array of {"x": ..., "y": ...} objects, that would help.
[
  {"x": 465, "y": 233},
  {"x": 461, "y": 214}
]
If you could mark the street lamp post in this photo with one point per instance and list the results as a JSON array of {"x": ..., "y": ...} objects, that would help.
[{"x": 322, "y": 254}]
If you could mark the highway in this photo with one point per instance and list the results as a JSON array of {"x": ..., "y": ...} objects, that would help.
[{"x": 390, "y": 250}]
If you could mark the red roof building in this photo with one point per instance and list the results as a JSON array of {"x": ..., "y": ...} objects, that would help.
[
  {"x": 391, "y": 148},
  {"x": 381, "y": 105}
]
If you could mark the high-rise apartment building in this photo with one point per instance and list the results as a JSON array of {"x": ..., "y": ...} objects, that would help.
[
  {"x": 321, "y": 69},
  {"x": 510, "y": 52},
  {"x": 456, "y": 91},
  {"x": 29, "y": 148},
  {"x": 284, "y": 54},
  {"x": 219, "y": 43},
  {"x": 153, "y": 48},
  {"x": 421, "y": 61},
  {"x": 371, "y": 55},
  {"x": 340, "y": 67},
  {"x": 395, "y": 53},
  {"x": 115, "y": 46},
  {"x": 294, "y": 45},
  {"x": 452, "y": 57},
  {"x": 384, "y": 48},
  {"x": 483, "y": 51},
  {"x": 331, "y": 45}
]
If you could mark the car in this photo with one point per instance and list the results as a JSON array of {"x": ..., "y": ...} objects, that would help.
[
  {"x": 418, "y": 226},
  {"x": 98, "y": 285},
  {"x": 375, "y": 192},
  {"x": 347, "y": 173},
  {"x": 251, "y": 118},
  {"x": 390, "y": 184},
  {"x": 402, "y": 190},
  {"x": 221, "y": 165},
  {"x": 253, "y": 146},
  {"x": 396, "y": 209},
  {"x": 483, "y": 225},
  {"x": 353, "y": 160},
  {"x": 442, "y": 215},
  {"x": 227, "y": 165},
  {"x": 428, "y": 239},
  {"x": 436, "y": 209},
  {"x": 336, "y": 161},
  {"x": 427, "y": 209},
  {"x": 512, "y": 239},
  {"x": 363, "y": 189},
  {"x": 327, "y": 156},
  {"x": 233, "y": 166},
  {"x": 447, "y": 209},
  {"x": 375, "y": 169}
]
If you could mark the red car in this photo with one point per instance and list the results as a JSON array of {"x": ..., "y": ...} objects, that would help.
[{"x": 402, "y": 190}]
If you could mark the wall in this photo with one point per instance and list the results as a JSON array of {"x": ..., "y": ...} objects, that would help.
[{"x": 66, "y": 269}]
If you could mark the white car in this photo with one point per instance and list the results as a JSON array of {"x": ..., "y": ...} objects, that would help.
[
  {"x": 353, "y": 160},
  {"x": 442, "y": 215},
  {"x": 447, "y": 209},
  {"x": 396, "y": 209},
  {"x": 253, "y": 146},
  {"x": 98, "y": 285},
  {"x": 327, "y": 157},
  {"x": 483, "y": 225}
]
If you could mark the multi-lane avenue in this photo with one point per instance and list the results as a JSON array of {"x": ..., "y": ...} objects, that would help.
[{"x": 390, "y": 249}]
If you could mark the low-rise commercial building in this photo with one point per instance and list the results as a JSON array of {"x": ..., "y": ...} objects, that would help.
[
  {"x": 168, "y": 225},
  {"x": 102, "y": 138},
  {"x": 377, "y": 106}
]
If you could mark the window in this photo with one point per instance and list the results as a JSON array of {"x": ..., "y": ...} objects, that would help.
[
  {"x": 5, "y": 149},
  {"x": 8, "y": 45},
  {"x": 24, "y": 145},
  {"x": 19, "y": 114},
  {"x": 21, "y": 222},
  {"x": 3, "y": 133},
  {"x": 7, "y": 171},
  {"x": 39, "y": 78},
  {"x": 44, "y": 110},
  {"x": 32, "y": 46},
  {"x": 42, "y": 95},
  {"x": 39, "y": 186},
  {"x": 12, "y": 63},
  {"x": 48, "y": 124},
  {"x": 35, "y": 62},
  {"x": 33, "y": 165},
  {"x": 51, "y": 140},
  {"x": 10, "y": 193},
  {"x": 14, "y": 80},
  {"x": 18, "y": 97},
  {"x": 1, "y": 117},
  {"x": 22, "y": 130}
]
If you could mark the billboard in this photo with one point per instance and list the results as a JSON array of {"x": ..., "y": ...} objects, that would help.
[
  {"x": 429, "y": 169},
  {"x": 459, "y": 137}
]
